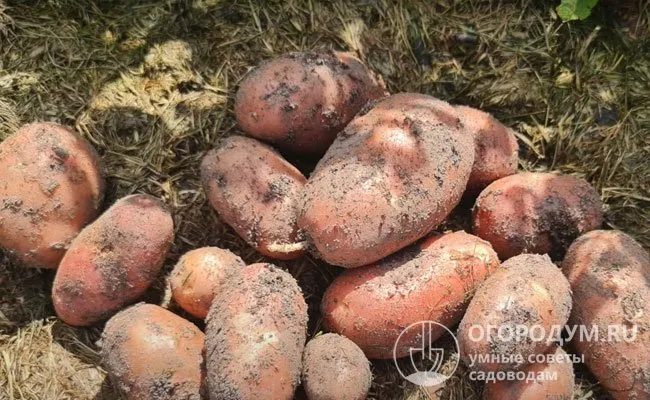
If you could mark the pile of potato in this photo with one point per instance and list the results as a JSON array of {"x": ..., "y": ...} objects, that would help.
[{"x": 392, "y": 168}]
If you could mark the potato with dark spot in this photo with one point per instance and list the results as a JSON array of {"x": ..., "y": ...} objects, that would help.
[
  {"x": 389, "y": 179},
  {"x": 533, "y": 212},
  {"x": 432, "y": 281},
  {"x": 51, "y": 186},
  {"x": 255, "y": 336},
  {"x": 255, "y": 191},
  {"x": 300, "y": 101},
  {"x": 513, "y": 314},
  {"x": 334, "y": 368},
  {"x": 199, "y": 275},
  {"x": 609, "y": 273},
  {"x": 151, "y": 353},
  {"x": 113, "y": 261}
]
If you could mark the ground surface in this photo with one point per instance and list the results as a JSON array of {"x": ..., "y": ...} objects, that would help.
[{"x": 151, "y": 86}]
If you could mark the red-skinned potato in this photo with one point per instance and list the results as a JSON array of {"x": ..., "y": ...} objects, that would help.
[
  {"x": 432, "y": 281},
  {"x": 300, "y": 101},
  {"x": 609, "y": 274},
  {"x": 151, "y": 353},
  {"x": 51, "y": 186},
  {"x": 334, "y": 368},
  {"x": 528, "y": 292},
  {"x": 534, "y": 212},
  {"x": 199, "y": 275},
  {"x": 255, "y": 191},
  {"x": 255, "y": 336},
  {"x": 557, "y": 363},
  {"x": 113, "y": 261},
  {"x": 389, "y": 179}
]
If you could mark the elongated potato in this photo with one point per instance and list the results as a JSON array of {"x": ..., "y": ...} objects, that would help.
[
  {"x": 255, "y": 336},
  {"x": 255, "y": 191},
  {"x": 151, "y": 353},
  {"x": 538, "y": 213},
  {"x": 113, "y": 261},
  {"x": 388, "y": 180},
  {"x": 300, "y": 101},
  {"x": 432, "y": 281},
  {"x": 609, "y": 273},
  {"x": 51, "y": 186}
]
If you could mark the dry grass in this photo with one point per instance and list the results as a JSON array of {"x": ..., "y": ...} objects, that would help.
[{"x": 151, "y": 85}]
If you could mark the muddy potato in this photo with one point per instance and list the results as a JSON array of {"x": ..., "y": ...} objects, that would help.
[
  {"x": 151, "y": 353},
  {"x": 255, "y": 191},
  {"x": 558, "y": 363},
  {"x": 609, "y": 273},
  {"x": 113, "y": 261},
  {"x": 538, "y": 213},
  {"x": 300, "y": 101},
  {"x": 334, "y": 368},
  {"x": 432, "y": 281},
  {"x": 199, "y": 275},
  {"x": 513, "y": 314},
  {"x": 255, "y": 336},
  {"x": 389, "y": 178},
  {"x": 51, "y": 186}
]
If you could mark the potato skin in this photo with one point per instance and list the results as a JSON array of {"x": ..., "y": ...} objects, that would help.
[
  {"x": 255, "y": 191},
  {"x": 533, "y": 212},
  {"x": 199, "y": 275},
  {"x": 255, "y": 336},
  {"x": 527, "y": 290},
  {"x": 151, "y": 353},
  {"x": 51, "y": 186},
  {"x": 113, "y": 261},
  {"x": 431, "y": 281},
  {"x": 334, "y": 368},
  {"x": 496, "y": 149},
  {"x": 609, "y": 274},
  {"x": 561, "y": 388},
  {"x": 389, "y": 178},
  {"x": 300, "y": 101}
]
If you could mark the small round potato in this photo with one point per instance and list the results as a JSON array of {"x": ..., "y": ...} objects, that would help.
[
  {"x": 51, "y": 186},
  {"x": 199, "y": 275},
  {"x": 334, "y": 368}
]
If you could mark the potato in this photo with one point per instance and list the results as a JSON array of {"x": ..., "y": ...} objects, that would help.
[
  {"x": 113, "y": 261},
  {"x": 536, "y": 213},
  {"x": 495, "y": 146},
  {"x": 388, "y": 179},
  {"x": 255, "y": 336},
  {"x": 514, "y": 314},
  {"x": 300, "y": 101},
  {"x": 51, "y": 186},
  {"x": 558, "y": 364},
  {"x": 255, "y": 191},
  {"x": 432, "y": 281},
  {"x": 610, "y": 276},
  {"x": 334, "y": 368},
  {"x": 151, "y": 353},
  {"x": 199, "y": 275}
]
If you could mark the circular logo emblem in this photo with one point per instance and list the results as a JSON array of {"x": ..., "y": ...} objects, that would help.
[{"x": 417, "y": 361}]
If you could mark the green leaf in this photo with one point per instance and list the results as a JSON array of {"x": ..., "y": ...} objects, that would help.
[{"x": 571, "y": 10}]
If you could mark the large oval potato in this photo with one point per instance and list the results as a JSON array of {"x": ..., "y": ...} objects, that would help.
[
  {"x": 51, "y": 186},
  {"x": 151, "y": 353},
  {"x": 533, "y": 212},
  {"x": 300, "y": 101},
  {"x": 255, "y": 336},
  {"x": 609, "y": 273},
  {"x": 255, "y": 191},
  {"x": 432, "y": 281},
  {"x": 514, "y": 313},
  {"x": 113, "y": 261},
  {"x": 388, "y": 179}
]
